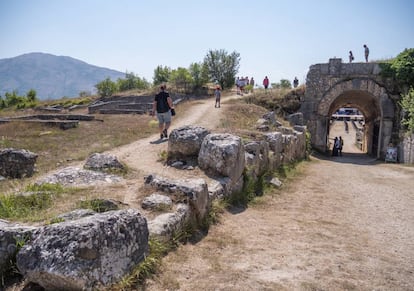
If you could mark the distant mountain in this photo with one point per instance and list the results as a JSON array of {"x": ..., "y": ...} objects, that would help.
[{"x": 52, "y": 77}]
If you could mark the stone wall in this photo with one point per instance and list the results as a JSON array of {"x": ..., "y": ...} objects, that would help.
[{"x": 406, "y": 150}]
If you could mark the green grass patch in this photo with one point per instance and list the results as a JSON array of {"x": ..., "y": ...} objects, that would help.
[{"x": 34, "y": 199}]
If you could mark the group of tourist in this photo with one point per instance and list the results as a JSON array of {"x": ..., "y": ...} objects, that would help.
[
  {"x": 338, "y": 144},
  {"x": 242, "y": 82}
]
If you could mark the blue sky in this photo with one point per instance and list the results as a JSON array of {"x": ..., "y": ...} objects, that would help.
[{"x": 280, "y": 39}]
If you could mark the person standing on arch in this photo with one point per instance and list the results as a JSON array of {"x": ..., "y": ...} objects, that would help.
[
  {"x": 295, "y": 82},
  {"x": 266, "y": 83},
  {"x": 366, "y": 52},
  {"x": 351, "y": 57}
]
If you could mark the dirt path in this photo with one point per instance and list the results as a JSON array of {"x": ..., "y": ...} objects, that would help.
[
  {"x": 142, "y": 156},
  {"x": 347, "y": 223}
]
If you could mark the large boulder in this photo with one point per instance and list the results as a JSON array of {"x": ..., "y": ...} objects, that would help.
[
  {"x": 185, "y": 142},
  {"x": 12, "y": 237},
  {"x": 222, "y": 155},
  {"x": 17, "y": 163},
  {"x": 87, "y": 253}
]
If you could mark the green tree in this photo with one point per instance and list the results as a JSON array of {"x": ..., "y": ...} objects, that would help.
[
  {"x": 132, "y": 81},
  {"x": 182, "y": 79},
  {"x": 2, "y": 103},
  {"x": 161, "y": 75},
  {"x": 31, "y": 96},
  {"x": 106, "y": 88},
  {"x": 199, "y": 74},
  {"x": 285, "y": 84},
  {"x": 407, "y": 104},
  {"x": 12, "y": 99},
  {"x": 222, "y": 67},
  {"x": 401, "y": 69}
]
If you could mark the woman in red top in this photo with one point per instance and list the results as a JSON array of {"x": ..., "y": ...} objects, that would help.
[{"x": 266, "y": 82}]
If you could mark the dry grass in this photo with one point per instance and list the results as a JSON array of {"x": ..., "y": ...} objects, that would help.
[
  {"x": 57, "y": 148},
  {"x": 241, "y": 117}
]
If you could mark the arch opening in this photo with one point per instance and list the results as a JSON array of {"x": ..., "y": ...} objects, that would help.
[{"x": 355, "y": 116}]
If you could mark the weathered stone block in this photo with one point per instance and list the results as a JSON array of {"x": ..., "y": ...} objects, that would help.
[
  {"x": 17, "y": 163},
  {"x": 222, "y": 155},
  {"x": 11, "y": 236},
  {"x": 192, "y": 191},
  {"x": 87, "y": 253},
  {"x": 185, "y": 142}
]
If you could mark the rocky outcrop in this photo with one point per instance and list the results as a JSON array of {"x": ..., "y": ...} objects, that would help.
[
  {"x": 16, "y": 163},
  {"x": 87, "y": 253}
]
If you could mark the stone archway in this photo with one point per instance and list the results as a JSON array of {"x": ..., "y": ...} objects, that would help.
[{"x": 330, "y": 86}]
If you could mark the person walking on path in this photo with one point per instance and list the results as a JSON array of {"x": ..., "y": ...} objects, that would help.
[
  {"x": 340, "y": 146},
  {"x": 266, "y": 82},
  {"x": 252, "y": 83},
  {"x": 162, "y": 107},
  {"x": 217, "y": 93},
  {"x": 366, "y": 52}
]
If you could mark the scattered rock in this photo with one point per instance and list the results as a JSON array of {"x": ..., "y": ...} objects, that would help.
[
  {"x": 276, "y": 182},
  {"x": 103, "y": 162},
  {"x": 75, "y": 176}
]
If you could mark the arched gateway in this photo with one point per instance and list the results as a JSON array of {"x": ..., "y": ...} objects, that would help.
[{"x": 358, "y": 85}]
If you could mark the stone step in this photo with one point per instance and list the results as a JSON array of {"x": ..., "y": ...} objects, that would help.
[{"x": 122, "y": 111}]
